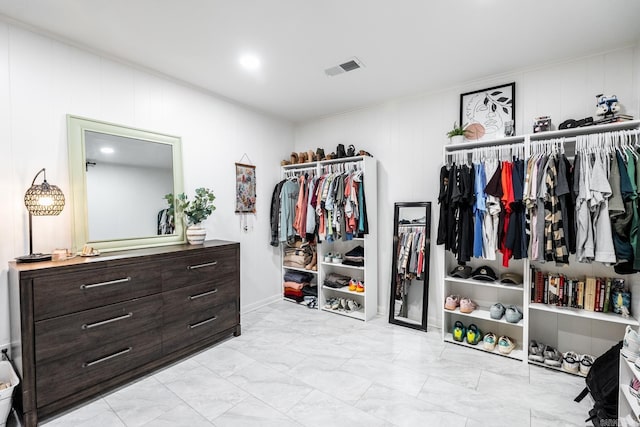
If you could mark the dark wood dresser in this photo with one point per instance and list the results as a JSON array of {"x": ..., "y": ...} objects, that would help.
[{"x": 86, "y": 325}]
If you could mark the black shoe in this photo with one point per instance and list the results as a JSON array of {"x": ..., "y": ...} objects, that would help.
[{"x": 340, "y": 151}]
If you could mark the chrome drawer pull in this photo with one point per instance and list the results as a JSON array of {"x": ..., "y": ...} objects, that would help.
[
  {"x": 195, "y": 325},
  {"x": 206, "y": 264},
  {"x": 110, "y": 282},
  {"x": 104, "y": 359},
  {"x": 104, "y": 322},
  {"x": 204, "y": 294}
]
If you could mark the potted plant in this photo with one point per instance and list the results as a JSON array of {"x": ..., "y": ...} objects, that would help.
[
  {"x": 193, "y": 212},
  {"x": 457, "y": 134}
]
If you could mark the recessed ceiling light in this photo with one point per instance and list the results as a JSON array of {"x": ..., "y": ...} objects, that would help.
[
  {"x": 250, "y": 62},
  {"x": 106, "y": 150}
]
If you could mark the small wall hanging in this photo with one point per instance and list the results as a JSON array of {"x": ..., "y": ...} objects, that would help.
[{"x": 245, "y": 187}]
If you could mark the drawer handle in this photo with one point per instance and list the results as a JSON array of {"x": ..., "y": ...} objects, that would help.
[
  {"x": 110, "y": 282},
  {"x": 104, "y": 359},
  {"x": 104, "y": 322},
  {"x": 204, "y": 294},
  {"x": 204, "y": 322},
  {"x": 206, "y": 264}
]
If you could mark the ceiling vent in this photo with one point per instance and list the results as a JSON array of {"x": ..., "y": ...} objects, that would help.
[{"x": 350, "y": 65}]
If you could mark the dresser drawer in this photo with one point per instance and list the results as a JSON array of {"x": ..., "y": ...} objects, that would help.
[
  {"x": 199, "y": 297},
  {"x": 203, "y": 267},
  {"x": 82, "y": 290},
  {"x": 197, "y": 326},
  {"x": 76, "y": 371},
  {"x": 91, "y": 328}
]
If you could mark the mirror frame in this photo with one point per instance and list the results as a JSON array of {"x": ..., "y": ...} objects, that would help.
[
  {"x": 76, "y": 127},
  {"x": 422, "y": 326}
]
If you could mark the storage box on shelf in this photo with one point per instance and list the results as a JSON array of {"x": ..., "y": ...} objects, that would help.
[
  {"x": 484, "y": 294},
  {"x": 367, "y": 300}
]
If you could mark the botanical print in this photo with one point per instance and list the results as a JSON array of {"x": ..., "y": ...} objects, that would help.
[
  {"x": 491, "y": 108},
  {"x": 245, "y": 188}
]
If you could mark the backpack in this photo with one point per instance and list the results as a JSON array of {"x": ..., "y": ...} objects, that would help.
[{"x": 603, "y": 382}]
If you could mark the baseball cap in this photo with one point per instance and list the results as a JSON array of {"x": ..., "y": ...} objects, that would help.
[
  {"x": 461, "y": 271},
  {"x": 510, "y": 278},
  {"x": 484, "y": 273}
]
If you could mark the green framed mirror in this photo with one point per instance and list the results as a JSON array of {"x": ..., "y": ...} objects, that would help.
[{"x": 119, "y": 176}]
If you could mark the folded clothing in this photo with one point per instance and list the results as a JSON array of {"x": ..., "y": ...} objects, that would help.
[
  {"x": 354, "y": 257},
  {"x": 297, "y": 276},
  {"x": 310, "y": 291},
  {"x": 294, "y": 285},
  {"x": 336, "y": 280}
]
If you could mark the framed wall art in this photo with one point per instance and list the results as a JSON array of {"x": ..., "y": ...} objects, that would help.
[
  {"x": 245, "y": 188},
  {"x": 487, "y": 113}
]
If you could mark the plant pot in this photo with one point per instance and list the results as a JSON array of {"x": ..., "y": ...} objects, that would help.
[
  {"x": 196, "y": 234},
  {"x": 458, "y": 139}
]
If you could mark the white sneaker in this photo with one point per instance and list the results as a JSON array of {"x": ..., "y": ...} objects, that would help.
[{"x": 586, "y": 361}]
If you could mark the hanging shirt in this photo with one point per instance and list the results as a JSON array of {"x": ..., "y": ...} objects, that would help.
[
  {"x": 600, "y": 193},
  {"x": 479, "y": 209},
  {"x": 555, "y": 248},
  {"x": 507, "y": 199},
  {"x": 585, "y": 250},
  {"x": 288, "y": 198},
  {"x": 443, "y": 201},
  {"x": 493, "y": 191}
]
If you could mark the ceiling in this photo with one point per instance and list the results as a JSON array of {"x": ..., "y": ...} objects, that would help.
[{"x": 407, "y": 46}]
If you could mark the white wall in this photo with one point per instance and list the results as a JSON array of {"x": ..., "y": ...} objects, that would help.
[
  {"x": 407, "y": 135},
  {"x": 42, "y": 80}
]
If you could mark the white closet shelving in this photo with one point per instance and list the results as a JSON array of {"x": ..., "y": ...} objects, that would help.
[
  {"x": 564, "y": 328},
  {"x": 628, "y": 404},
  {"x": 368, "y": 300}
]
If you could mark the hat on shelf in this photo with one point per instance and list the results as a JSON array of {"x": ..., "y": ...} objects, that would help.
[
  {"x": 484, "y": 273},
  {"x": 461, "y": 271},
  {"x": 510, "y": 278}
]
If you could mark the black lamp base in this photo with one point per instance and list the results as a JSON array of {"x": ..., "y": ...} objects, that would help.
[{"x": 34, "y": 258}]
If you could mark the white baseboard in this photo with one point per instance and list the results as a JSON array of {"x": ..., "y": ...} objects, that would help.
[{"x": 256, "y": 305}]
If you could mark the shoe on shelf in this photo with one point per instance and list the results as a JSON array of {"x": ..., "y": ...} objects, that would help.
[
  {"x": 329, "y": 304},
  {"x": 353, "y": 305},
  {"x": 552, "y": 357},
  {"x": 452, "y": 302},
  {"x": 586, "y": 361},
  {"x": 474, "y": 334},
  {"x": 570, "y": 362},
  {"x": 489, "y": 341},
  {"x": 536, "y": 351},
  {"x": 506, "y": 344},
  {"x": 496, "y": 311},
  {"x": 467, "y": 306},
  {"x": 513, "y": 314},
  {"x": 353, "y": 284},
  {"x": 337, "y": 258},
  {"x": 630, "y": 344},
  {"x": 328, "y": 257},
  {"x": 459, "y": 331},
  {"x": 360, "y": 286}
]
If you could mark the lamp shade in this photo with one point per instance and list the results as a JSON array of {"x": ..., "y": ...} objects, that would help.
[{"x": 44, "y": 199}]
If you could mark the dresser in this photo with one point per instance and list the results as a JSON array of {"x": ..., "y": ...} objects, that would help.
[{"x": 83, "y": 326}]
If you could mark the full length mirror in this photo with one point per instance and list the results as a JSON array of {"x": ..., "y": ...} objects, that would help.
[
  {"x": 119, "y": 177},
  {"x": 410, "y": 265}
]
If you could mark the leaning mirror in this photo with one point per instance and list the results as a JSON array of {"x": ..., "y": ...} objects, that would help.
[
  {"x": 119, "y": 179},
  {"x": 410, "y": 265}
]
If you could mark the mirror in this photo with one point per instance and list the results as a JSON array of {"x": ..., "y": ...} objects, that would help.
[
  {"x": 119, "y": 177},
  {"x": 409, "y": 295}
]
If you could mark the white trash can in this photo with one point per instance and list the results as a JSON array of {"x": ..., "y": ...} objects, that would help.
[{"x": 7, "y": 375}]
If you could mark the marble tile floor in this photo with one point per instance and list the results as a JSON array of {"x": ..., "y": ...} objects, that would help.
[{"x": 293, "y": 366}]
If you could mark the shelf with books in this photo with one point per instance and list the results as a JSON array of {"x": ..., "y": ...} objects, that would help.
[{"x": 594, "y": 315}]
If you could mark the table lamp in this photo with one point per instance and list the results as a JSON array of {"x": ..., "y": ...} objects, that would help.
[{"x": 40, "y": 200}]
